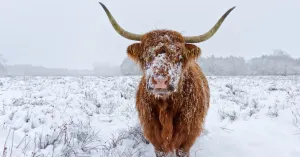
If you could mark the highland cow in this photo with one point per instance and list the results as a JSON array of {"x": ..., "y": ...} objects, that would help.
[{"x": 173, "y": 95}]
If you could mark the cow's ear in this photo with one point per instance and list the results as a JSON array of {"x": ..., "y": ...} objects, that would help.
[
  {"x": 193, "y": 51},
  {"x": 134, "y": 52}
]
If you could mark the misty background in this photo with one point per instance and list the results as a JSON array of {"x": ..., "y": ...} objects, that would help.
[
  {"x": 277, "y": 63},
  {"x": 75, "y": 38}
]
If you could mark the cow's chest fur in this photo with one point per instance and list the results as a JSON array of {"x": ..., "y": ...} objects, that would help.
[{"x": 165, "y": 113}]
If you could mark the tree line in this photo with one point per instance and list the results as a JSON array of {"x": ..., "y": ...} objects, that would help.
[{"x": 277, "y": 63}]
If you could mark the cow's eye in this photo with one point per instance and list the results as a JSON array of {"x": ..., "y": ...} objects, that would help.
[{"x": 149, "y": 58}]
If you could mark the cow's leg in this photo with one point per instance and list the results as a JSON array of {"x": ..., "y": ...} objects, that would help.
[
  {"x": 186, "y": 142},
  {"x": 152, "y": 132},
  {"x": 182, "y": 153},
  {"x": 159, "y": 153},
  {"x": 179, "y": 137},
  {"x": 164, "y": 154},
  {"x": 184, "y": 150}
]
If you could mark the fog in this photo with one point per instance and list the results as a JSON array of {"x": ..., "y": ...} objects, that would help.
[{"x": 76, "y": 34}]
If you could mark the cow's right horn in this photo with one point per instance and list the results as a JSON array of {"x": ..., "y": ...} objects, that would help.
[
  {"x": 210, "y": 33},
  {"x": 118, "y": 28}
]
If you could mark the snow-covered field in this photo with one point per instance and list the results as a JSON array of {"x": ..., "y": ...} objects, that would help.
[{"x": 96, "y": 116}]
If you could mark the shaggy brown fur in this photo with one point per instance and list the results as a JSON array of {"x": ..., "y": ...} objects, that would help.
[{"x": 174, "y": 122}]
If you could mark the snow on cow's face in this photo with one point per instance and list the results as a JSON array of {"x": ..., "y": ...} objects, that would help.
[
  {"x": 162, "y": 55},
  {"x": 163, "y": 67}
]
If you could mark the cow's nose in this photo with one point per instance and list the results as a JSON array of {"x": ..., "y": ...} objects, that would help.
[{"x": 160, "y": 82}]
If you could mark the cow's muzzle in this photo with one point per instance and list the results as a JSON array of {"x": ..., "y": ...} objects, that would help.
[{"x": 160, "y": 85}]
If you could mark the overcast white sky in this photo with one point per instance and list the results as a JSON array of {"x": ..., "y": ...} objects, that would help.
[{"x": 77, "y": 33}]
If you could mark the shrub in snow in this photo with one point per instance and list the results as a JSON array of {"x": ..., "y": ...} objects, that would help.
[
  {"x": 231, "y": 115},
  {"x": 68, "y": 139},
  {"x": 273, "y": 111},
  {"x": 80, "y": 139},
  {"x": 132, "y": 137}
]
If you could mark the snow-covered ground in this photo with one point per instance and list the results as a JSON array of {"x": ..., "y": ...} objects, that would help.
[{"x": 96, "y": 116}]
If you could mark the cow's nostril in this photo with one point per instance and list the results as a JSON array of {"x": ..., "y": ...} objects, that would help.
[
  {"x": 171, "y": 88},
  {"x": 153, "y": 81},
  {"x": 160, "y": 82}
]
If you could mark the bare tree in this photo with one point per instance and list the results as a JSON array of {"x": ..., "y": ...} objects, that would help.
[
  {"x": 128, "y": 67},
  {"x": 2, "y": 65}
]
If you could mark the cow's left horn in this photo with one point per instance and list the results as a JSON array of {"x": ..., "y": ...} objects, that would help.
[
  {"x": 210, "y": 33},
  {"x": 118, "y": 28}
]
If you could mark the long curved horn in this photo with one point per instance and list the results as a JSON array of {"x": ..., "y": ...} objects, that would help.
[
  {"x": 210, "y": 33},
  {"x": 118, "y": 28}
]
